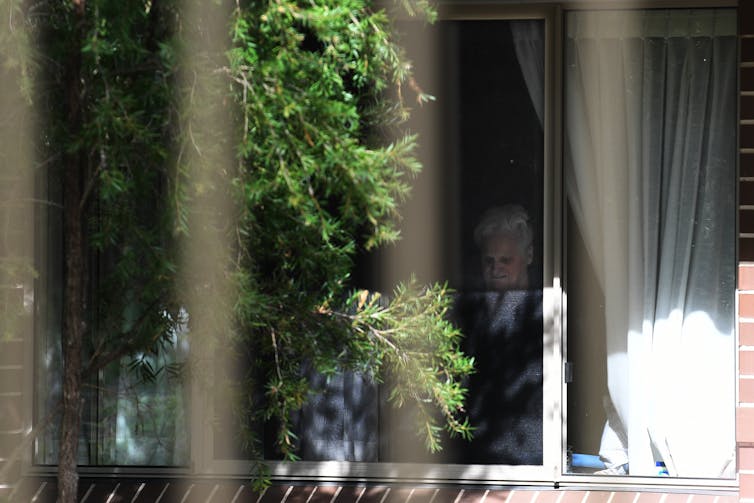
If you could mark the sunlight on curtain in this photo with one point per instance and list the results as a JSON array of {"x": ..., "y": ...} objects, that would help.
[{"x": 650, "y": 177}]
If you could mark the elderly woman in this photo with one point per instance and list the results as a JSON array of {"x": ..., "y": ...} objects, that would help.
[
  {"x": 502, "y": 326},
  {"x": 505, "y": 240}
]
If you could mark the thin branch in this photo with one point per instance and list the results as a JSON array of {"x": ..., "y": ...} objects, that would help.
[
  {"x": 9, "y": 202},
  {"x": 277, "y": 357},
  {"x": 91, "y": 182}
]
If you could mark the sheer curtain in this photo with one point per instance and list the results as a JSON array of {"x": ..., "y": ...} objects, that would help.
[
  {"x": 650, "y": 171},
  {"x": 529, "y": 42}
]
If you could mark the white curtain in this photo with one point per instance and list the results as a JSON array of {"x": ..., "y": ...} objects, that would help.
[
  {"x": 529, "y": 42},
  {"x": 650, "y": 176}
]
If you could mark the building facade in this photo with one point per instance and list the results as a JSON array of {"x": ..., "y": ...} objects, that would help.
[{"x": 582, "y": 393}]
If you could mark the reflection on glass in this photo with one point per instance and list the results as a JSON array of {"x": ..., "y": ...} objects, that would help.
[{"x": 650, "y": 145}]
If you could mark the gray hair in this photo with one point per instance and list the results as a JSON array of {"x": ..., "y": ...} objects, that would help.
[{"x": 510, "y": 219}]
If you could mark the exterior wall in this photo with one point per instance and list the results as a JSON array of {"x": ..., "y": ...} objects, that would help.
[
  {"x": 745, "y": 406},
  {"x": 11, "y": 398},
  {"x": 168, "y": 491}
]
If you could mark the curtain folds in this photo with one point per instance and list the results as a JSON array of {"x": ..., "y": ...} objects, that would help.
[
  {"x": 650, "y": 177},
  {"x": 528, "y": 40}
]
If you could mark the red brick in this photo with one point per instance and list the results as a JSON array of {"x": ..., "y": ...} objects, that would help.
[
  {"x": 446, "y": 495},
  {"x": 677, "y": 498},
  {"x": 324, "y": 494},
  {"x": 300, "y": 494},
  {"x": 747, "y": 107},
  {"x": 746, "y": 221},
  {"x": 747, "y": 79},
  {"x": 224, "y": 492},
  {"x": 498, "y": 496},
  {"x": 475, "y": 496},
  {"x": 746, "y": 160},
  {"x": 746, "y": 194},
  {"x": 746, "y": 271},
  {"x": 745, "y": 458},
  {"x": 349, "y": 494},
  {"x": 746, "y": 361},
  {"x": 182, "y": 491},
  {"x": 520, "y": 496},
  {"x": 727, "y": 499},
  {"x": 274, "y": 494},
  {"x": 545, "y": 496},
  {"x": 746, "y": 249},
  {"x": 745, "y": 17},
  {"x": 624, "y": 497},
  {"x": 746, "y": 305},
  {"x": 598, "y": 497},
  {"x": 746, "y": 485},
  {"x": 573, "y": 496},
  {"x": 747, "y": 49},
  {"x": 423, "y": 495},
  {"x": 746, "y": 390},
  {"x": 371, "y": 495},
  {"x": 746, "y": 333},
  {"x": 44, "y": 487},
  {"x": 745, "y": 424},
  {"x": 746, "y": 134},
  {"x": 103, "y": 489},
  {"x": 702, "y": 498},
  {"x": 649, "y": 497}
]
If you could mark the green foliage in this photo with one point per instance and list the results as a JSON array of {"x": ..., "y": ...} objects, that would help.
[
  {"x": 311, "y": 97},
  {"x": 323, "y": 167},
  {"x": 123, "y": 146}
]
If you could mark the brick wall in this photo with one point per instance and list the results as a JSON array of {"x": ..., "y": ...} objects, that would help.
[
  {"x": 206, "y": 491},
  {"x": 745, "y": 406},
  {"x": 11, "y": 392}
]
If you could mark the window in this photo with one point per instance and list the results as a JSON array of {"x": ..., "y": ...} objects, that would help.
[
  {"x": 489, "y": 158},
  {"x": 135, "y": 408},
  {"x": 650, "y": 173},
  {"x": 477, "y": 219},
  {"x": 593, "y": 263}
]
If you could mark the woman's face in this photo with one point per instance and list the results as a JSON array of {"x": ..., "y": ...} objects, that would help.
[{"x": 504, "y": 263}]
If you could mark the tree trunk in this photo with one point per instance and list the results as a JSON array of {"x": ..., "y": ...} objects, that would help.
[{"x": 75, "y": 275}]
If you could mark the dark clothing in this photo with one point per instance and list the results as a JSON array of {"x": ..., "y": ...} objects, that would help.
[
  {"x": 503, "y": 332},
  {"x": 340, "y": 421}
]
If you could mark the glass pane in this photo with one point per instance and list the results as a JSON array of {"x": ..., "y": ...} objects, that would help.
[
  {"x": 650, "y": 153},
  {"x": 474, "y": 220},
  {"x": 129, "y": 416},
  {"x": 484, "y": 159},
  {"x": 141, "y": 420}
]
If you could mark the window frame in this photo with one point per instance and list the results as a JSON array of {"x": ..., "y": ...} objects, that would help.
[
  {"x": 202, "y": 445},
  {"x": 575, "y": 480},
  {"x": 552, "y": 471}
]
